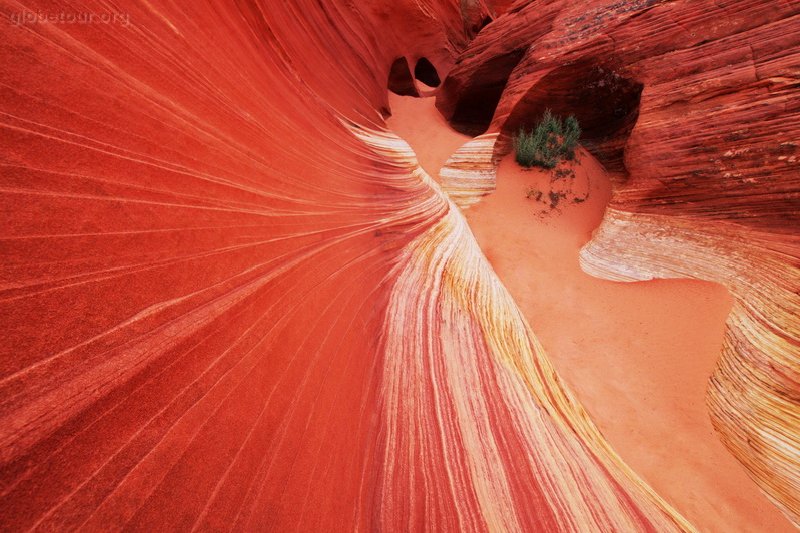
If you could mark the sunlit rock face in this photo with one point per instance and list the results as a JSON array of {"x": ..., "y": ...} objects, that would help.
[
  {"x": 695, "y": 107},
  {"x": 231, "y": 300},
  {"x": 196, "y": 252}
]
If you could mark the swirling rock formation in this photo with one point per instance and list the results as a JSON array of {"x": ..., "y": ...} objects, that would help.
[
  {"x": 695, "y": 105},
  {"x": 196, "y": 259},
  {"x": 211, "y": 273},
  {"x": 232, "y": 301}
]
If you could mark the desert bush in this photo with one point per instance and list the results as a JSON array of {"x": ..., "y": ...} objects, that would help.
[
  {"x": 525, "y": 147},
  {"x": 551, "y": 140},
  {"x": 570, "y": 137}
]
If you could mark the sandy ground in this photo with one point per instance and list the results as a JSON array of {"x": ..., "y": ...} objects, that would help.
[{"x": 638, "y": 355}]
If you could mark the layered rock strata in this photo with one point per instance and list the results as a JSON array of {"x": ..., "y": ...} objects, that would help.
[
  {"x": 695, "y": 106},
  {"x": 231, "y": 301}
]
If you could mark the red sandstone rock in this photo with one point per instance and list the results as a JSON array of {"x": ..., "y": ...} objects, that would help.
[
  {"x": 718, "y": 89},
  {"x": 194, "y": 247},
  {"x": 696, "y": 106},
  {"x": 210, "y": 296},
  {"x": 230, "y": 302},
  {"x": 401, "y": 81}
]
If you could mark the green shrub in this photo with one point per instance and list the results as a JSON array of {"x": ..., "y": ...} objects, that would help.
[
  {"x": 571, "y": 135},
  {"x": 551, "y": 140}
]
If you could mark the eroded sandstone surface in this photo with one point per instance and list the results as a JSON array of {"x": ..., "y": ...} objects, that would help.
[
  {"x": 232, "y": 300},
  {"x": 694, "y": 106}
]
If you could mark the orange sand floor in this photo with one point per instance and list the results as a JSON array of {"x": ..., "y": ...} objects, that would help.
[{"x": 637, "y": 355}]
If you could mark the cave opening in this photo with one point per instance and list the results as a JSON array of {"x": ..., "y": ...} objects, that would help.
[
  {"x": 475, "y": 108},
  {"x": 400, "y": 80},
  {"x": 425, "y": 72},
  {"x": 605, "y": 102}
]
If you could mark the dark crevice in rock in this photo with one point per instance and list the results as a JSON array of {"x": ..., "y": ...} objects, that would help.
[
  {"x": 476, "y": 106},
  {"x": 476, "y": 28},
  {"x": 425, "y": 72},
  {"x": 400, "y": 80}
]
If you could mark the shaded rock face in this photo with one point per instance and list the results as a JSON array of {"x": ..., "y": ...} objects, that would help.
[
  {"x": 425, "y": 72},
  {"x": 695, "y": 106},
  {"x": 605, "y": 103},
  {"x": 476, "y": 28},
  {"x": 718, "y": 86},
  {"x": 473, "y": 112},
  {"x": 400, "y": 79}
]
